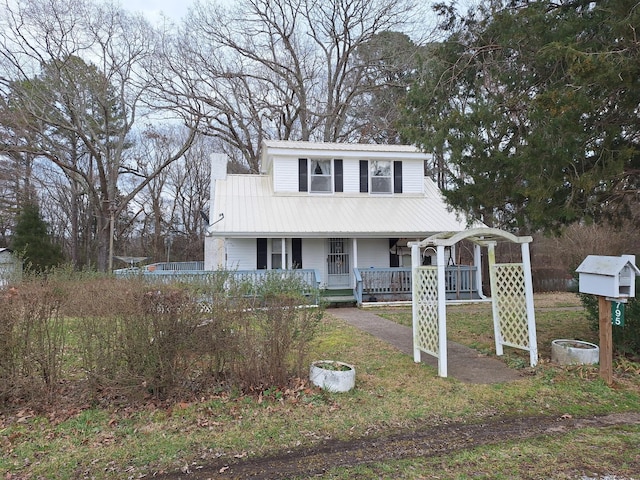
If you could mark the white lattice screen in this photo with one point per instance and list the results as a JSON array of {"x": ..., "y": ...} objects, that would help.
[
  {"x": 426, "y": 309},
  {"x": 511, "y": 291},
  {"x": 510, "y": 306}
]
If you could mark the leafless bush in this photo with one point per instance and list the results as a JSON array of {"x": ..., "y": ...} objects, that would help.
[
  {"x": 9, "y": 361},
  {"x": 131, "y": 338},
  {"x": 135, "y": 336},
  {"x": 32, "y": 340},
  {"x": 270, "y": 342}
]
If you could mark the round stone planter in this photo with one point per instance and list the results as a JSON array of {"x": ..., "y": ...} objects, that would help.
[
  {"x": 332, "y": 375},
  {"x": 574, "y": 352}
]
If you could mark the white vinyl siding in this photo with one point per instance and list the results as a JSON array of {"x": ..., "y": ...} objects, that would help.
[
  {"x": 373, "y": 252},
  {"x": 351, "y": 171},
  {"x": 241, "y": 254},
  {"x": 285, "y": 174},
  {"x": 412, "y": 176},
  {"x": 314, "y": 256}
]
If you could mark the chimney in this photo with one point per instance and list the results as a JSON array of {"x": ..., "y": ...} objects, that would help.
[{"x": 218, "y": 172}]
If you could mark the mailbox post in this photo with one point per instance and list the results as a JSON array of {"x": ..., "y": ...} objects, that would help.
[{"x": 611, "y": 279}]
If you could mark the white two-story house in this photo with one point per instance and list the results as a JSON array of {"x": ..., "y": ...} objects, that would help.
[{"x": 336, "y": 208}]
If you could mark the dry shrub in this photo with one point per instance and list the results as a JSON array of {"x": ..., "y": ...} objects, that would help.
[
  {"x": 140, "y": 338},
  {"x": 32, "y": 340},
  {"x": 270, "y": 342},
  {"x": 135, "y": 337},
  {"x": 257, "y": 334},
  {"x": 132, "y": 338}
]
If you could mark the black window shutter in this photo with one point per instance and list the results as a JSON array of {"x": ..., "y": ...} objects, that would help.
[
  {"x": 296, "y": 252},
  {"x": 302, "y": 175},
  {"x": 338, "y": 177},
  {"x": 364, "y": 175},
  {"x": 397, "y": 177},
  {"x": 262, "y": 253},
  {"x": 394, "y": 259}
]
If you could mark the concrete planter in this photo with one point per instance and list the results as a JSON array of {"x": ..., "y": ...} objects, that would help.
[
  {"x": 574, "y": 352},
  {"x": 332, "y": 375}
]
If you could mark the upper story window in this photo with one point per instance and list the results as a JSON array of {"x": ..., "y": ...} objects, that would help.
[
  {"x": 320, "y": 176},
  {"x": 381, "y": 177}
]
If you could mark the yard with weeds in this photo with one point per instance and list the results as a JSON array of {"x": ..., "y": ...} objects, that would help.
[{"x": 401, "y": 420}]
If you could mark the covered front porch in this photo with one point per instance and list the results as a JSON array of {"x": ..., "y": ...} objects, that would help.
[{"x": 371, "y": 285}]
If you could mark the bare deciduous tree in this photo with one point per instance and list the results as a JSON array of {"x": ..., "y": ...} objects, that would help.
[
  {"x": 282, "y": 69},
  {"x": 188, "y": 187},
  {"x": 170, "y": 208},
  {"x": 73, "y": 76}
]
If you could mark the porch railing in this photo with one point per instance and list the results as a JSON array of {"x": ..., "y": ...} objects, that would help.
[
  {"x": 175, "y": 266},
  {"x": 376, "y": 284},
  {"x": 180, "y": 273}
]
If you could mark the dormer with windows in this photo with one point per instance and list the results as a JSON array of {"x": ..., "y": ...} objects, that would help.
[{"x": 344, "y": 169}]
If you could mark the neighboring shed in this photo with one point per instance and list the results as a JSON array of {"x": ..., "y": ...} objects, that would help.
[{"x": 10, "y": 267}]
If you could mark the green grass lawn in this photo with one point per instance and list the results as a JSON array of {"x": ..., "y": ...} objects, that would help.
[
  {"x": 558, "y": 316},
  {"x": 392, "y": 394}
]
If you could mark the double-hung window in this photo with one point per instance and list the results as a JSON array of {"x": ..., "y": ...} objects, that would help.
[
  {"x": 381, "y": 176},
  {"x": 317, "y": 175},
  {"x": 320, "y": 176},
  {"x": 276, "y": 254}
]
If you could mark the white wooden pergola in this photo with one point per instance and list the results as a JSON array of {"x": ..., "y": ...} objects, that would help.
[{"x": 511, "y": 295}]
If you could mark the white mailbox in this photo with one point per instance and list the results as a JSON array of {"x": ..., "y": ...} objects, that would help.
[{"x": 607, "y": 276}]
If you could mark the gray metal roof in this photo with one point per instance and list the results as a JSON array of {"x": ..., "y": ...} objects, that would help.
[
  {"x": 246, "y": 206},
  {"x": 271, "y": 145},
  {"x": 273, "y": 148}
]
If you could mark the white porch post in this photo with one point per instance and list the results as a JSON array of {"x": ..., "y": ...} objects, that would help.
[
  {"x": 354, "y": 249},
  {"x": 442, "y": 314},
  {"x": 354, "y": 261},
  {"x": 531, "y": 316},
  {"x": 477, "y": 261},
  {"x": 269, "y": 253},
  {"x": 283, "y": 252}
]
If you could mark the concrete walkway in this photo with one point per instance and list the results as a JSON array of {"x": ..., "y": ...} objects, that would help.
[{"x": 464, "y": 364}]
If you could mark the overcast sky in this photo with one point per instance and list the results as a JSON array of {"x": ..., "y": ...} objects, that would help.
[{"x": 153, "y": 9}]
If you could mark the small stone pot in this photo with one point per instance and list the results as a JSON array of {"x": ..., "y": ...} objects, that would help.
[
  {"x": 332, "y": 375},
  {"x": 574, "y": 352}
]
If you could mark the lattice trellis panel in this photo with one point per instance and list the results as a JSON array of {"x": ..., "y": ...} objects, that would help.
[
  {"x": 426, "y": 287},
  {"x": 509, "y": 299}
]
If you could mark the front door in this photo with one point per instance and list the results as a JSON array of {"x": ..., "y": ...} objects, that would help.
[{"x": 338, "y": 264}]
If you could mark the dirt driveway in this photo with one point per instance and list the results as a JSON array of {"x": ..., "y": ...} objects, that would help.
[{"x": 418, "y": 443}]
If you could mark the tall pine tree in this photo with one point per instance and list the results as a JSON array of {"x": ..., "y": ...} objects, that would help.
[
  {"x": 534, "y": 105},
  {"x": 31, "y": 240}
]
